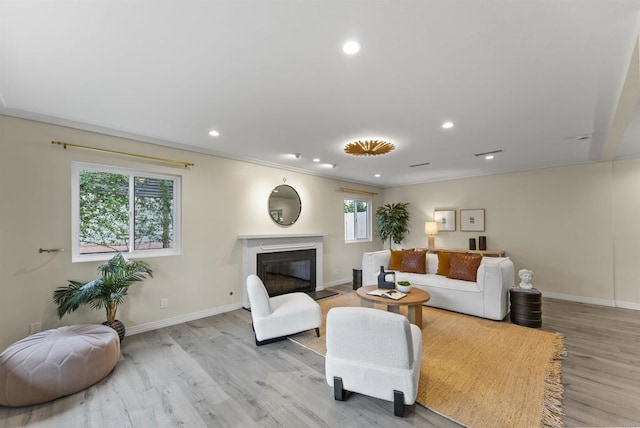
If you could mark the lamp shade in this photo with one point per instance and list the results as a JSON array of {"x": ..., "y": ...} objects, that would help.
[{"x": 431, "y": 228}]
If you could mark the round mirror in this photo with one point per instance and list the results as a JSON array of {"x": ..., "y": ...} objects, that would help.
[{"x": 284, "y": 205}]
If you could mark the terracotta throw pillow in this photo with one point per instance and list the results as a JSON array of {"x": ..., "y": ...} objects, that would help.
[
  {"x": 464, "y": 266},
  {"x": 443, "y": 264},
  {"x": 395, "y": 263},
  {"x": 414, "y": 262}
]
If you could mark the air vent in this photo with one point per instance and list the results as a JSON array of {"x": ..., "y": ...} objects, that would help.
[
  {"x": 420, "y": 164},
  {"x": 579, "y": 137},
  {"x": 488, "y": 153}
]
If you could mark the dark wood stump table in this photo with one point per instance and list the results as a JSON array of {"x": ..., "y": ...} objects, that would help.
[{"x": 526, "y": 307}]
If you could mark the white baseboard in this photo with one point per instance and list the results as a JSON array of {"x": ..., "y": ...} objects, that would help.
[
  {"x": 628, "y": 305},
  {"x": 337, "y": 282},
  {"x": 592, "y": 300},
  {"x": 154, "y": 325},
  {"x": 579, "y": 299}
]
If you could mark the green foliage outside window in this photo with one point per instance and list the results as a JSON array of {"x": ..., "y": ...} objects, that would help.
[
  {"x": 349, "y": 206},
  {"x": 153, "y": 212},
  {"x": 104, "y": 212}
]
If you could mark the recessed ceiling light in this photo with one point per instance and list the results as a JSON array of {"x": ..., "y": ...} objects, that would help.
[
  {"x": 489, "y": 157},
  {"x": 447, "y": 125},
  {"x": 214, "y": 133},
  {"x": 377, "y": 176},
  {"x": 316, "y": 159},
  {"x": 351, "y": 47}
]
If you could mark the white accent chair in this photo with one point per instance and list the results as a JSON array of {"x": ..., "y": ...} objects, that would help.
[
  {"x": 274, "y": 318},
  {"x": 373, "y": 352}
]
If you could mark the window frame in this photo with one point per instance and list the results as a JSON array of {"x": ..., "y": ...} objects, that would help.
[
  {"x": 369, "y": 229},
  {"x": 133, "y": 253}
]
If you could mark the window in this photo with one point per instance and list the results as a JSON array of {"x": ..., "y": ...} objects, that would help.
[
  {"x": 357, "y": 220},
  {"x": 119, "y": 210}
]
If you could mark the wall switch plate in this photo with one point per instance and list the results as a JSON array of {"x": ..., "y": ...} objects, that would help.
[
  {"x": 163, "y": 303},
  {"x": 35, "y": 327}
]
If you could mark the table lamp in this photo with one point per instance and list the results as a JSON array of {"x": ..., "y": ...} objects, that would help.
[{"x": 431, "y": 229}]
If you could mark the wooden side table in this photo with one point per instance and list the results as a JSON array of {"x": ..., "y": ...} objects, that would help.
[{"x": 526, "y": 307}]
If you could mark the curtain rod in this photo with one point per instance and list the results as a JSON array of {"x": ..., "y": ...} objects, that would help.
[
  {"x": 80, "y": 146},
  {"x": 363, "y": 192}
]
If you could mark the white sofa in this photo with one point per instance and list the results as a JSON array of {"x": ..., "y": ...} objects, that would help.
[{"x": 488, "y": 297}]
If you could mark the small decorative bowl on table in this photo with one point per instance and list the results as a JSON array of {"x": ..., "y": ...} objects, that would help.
[{"x": 403, "y": 286}]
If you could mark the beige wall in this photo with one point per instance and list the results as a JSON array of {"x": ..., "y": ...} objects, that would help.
[
  {"x": 626, "y": 220},
  {"x": 222, "y": 199},
  {"x": 576, "y": 227}
]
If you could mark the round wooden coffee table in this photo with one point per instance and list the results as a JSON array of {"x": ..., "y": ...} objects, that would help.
[{"x": 413, "y": 301}]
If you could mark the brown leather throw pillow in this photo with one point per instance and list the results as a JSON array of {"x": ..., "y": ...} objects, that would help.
[
  {"x": 414, "y": 262},
  {"x": 464, "y": 266}
]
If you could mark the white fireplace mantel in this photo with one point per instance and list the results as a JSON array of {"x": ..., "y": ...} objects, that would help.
[
  {"x": 284, "y": 235},
  {"x": 252, "y": 245}
]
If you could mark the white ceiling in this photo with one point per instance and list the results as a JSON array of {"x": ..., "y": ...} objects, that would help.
[{"x": 527, "y": 77}]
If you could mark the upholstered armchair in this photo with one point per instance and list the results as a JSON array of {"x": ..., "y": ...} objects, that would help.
[
  {"x": 373, "y": 352},
  {"x": 275, "y": 318}
]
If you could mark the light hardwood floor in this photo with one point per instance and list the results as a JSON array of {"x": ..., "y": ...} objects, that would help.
[
  {"x": 601, "y": 374},
  {"x": 209, "y": 373}
]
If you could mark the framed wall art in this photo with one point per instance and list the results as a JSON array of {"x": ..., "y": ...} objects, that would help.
[
  {"x": 446, "y": 220},
  {"x": 472, "y": 220}
]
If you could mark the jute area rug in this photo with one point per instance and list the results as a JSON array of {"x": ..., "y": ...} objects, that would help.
[{"x": 478, "y": 372}]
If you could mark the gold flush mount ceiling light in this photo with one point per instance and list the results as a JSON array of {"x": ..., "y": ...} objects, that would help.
[{"x": 369, "y": 148}]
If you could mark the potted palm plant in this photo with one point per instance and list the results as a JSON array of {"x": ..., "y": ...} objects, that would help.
[
  {"x": 108, "y": 291},
  {"x": 393, "y": 222}
]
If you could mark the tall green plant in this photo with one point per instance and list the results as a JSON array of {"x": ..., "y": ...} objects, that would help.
[
  {"x": 108, "y": 291},
  {"x": 393, "y": 222}
]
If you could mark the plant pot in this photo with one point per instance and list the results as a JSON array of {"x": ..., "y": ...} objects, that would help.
[{"x": 118, "y": 327}]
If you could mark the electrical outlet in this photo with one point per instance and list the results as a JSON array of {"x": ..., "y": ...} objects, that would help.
[
  {"x": 35, "y": 327},
  {"x": 163, "y": 303}
]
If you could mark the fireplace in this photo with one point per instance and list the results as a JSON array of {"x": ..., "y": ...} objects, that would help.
[
  {"x": 287, "y": 271},
  {"x": 272, "y": 246}
]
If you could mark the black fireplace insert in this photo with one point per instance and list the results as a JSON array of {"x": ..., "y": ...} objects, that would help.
[{"x": 287, "y": 271}]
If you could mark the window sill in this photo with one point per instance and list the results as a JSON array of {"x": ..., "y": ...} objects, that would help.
[{"x": 102, "y": 257}]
